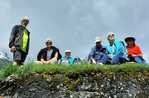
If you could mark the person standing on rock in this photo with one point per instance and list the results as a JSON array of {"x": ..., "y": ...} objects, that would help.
[{"x": 19, "y": 41}]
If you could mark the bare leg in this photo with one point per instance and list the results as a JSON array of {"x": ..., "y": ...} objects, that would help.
[
  {"x": 38, "y": 62},
  {"x": 17, "y": 62}
]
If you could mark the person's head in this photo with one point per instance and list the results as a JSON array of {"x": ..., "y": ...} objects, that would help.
[
  {"x": 111, "y": 37},
  {"x": 130, "y": 41},
  {"x": 67, "y": 53},
  {"x": 24, "y": 21},
  {"x": 48, "y": 43},
  {"x": 98, "y": 41}
]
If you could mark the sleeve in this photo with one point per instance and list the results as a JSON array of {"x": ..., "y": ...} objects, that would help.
[
  {"x": 39, "y": 56},
  {"x": 122, "y": 48},
  {"x": 73, "y": 61},
  {"x": 139, "y": 50},
  {"x": 28, "y": 44},
  {"x": 59, "y": 54},
  {"x": 91, "y": 54},
  {"x": 107, "y": 50},
  {"x": 12, "y": 36}
]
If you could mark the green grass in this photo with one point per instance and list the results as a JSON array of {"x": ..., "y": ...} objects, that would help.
[{"x": 34, "y": 68}]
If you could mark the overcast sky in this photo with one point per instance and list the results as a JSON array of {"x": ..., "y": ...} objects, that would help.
[{"x": 74, "y": 24}]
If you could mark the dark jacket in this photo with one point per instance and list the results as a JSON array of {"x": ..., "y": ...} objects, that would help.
[
  {"x": 43, "y": 53},
  {"x": 16, "y": 37}
]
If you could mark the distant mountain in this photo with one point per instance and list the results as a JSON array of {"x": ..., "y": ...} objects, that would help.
[{"x": 4, "y": 59}]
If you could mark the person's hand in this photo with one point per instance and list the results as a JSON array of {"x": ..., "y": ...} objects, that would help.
[
  {"x": 43, "y": 61},
  {"x": 110, "y": 57},
  {"x": 93, "y": 61},
  {"x": 13, "y": 49},
  {"x": 133, "y": 55}
]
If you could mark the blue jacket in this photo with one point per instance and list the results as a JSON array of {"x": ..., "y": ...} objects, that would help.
[
  {"x": 118, "y": 48},
  {"x": 69, "y": 60},
  {"x": 96, "y": 52}
]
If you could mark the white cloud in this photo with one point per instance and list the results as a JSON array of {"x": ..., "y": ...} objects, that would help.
[{"x": 75, "y": 23}]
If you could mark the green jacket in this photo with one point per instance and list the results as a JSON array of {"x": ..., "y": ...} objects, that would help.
[{"x": 20, "y": 38}]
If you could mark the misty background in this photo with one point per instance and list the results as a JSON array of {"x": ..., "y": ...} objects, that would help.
[{"x": 74, "y": 24}]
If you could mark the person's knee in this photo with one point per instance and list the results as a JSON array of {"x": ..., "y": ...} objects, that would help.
[
  {"x": 115, "y": 60},
  {"x": 139, "y": 60},
  {"x": 104, "y": 60},
  {"x": 17, "y": 62},
  {"x": 54, "y": 61},
  {"x": 38, "y": 62}
]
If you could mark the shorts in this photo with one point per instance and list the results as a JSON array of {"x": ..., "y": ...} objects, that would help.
[{"x": 19, "y": 56}]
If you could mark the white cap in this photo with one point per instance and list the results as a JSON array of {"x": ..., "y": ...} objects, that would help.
[
  {"x": 66, "y": 51},
  {"x": 48, "y": 40},
  {"x": 24, "y": 18},
  {"x": 98, "y": 39}
]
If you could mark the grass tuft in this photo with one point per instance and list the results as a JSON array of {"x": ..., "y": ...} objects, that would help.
[{"x": 56, "y": 68}]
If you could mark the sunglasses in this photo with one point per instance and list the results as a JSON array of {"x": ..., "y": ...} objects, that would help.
[
  {"x": 48, "y": 43},
  {"x": 27, "y": 21}
]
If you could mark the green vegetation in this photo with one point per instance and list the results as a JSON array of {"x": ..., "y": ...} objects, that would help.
[{"x": 49, "y": 69}]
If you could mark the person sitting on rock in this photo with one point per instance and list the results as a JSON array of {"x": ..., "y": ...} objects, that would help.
[
  {"x": 134, "y": 52},
  {"x": 97, "y": 54},
  {"x": 67, "y": 59},
  {"x": 77, "y": 60},
  {"x": 48, "y": 55},
  {"x": 116, "y": 49}
]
